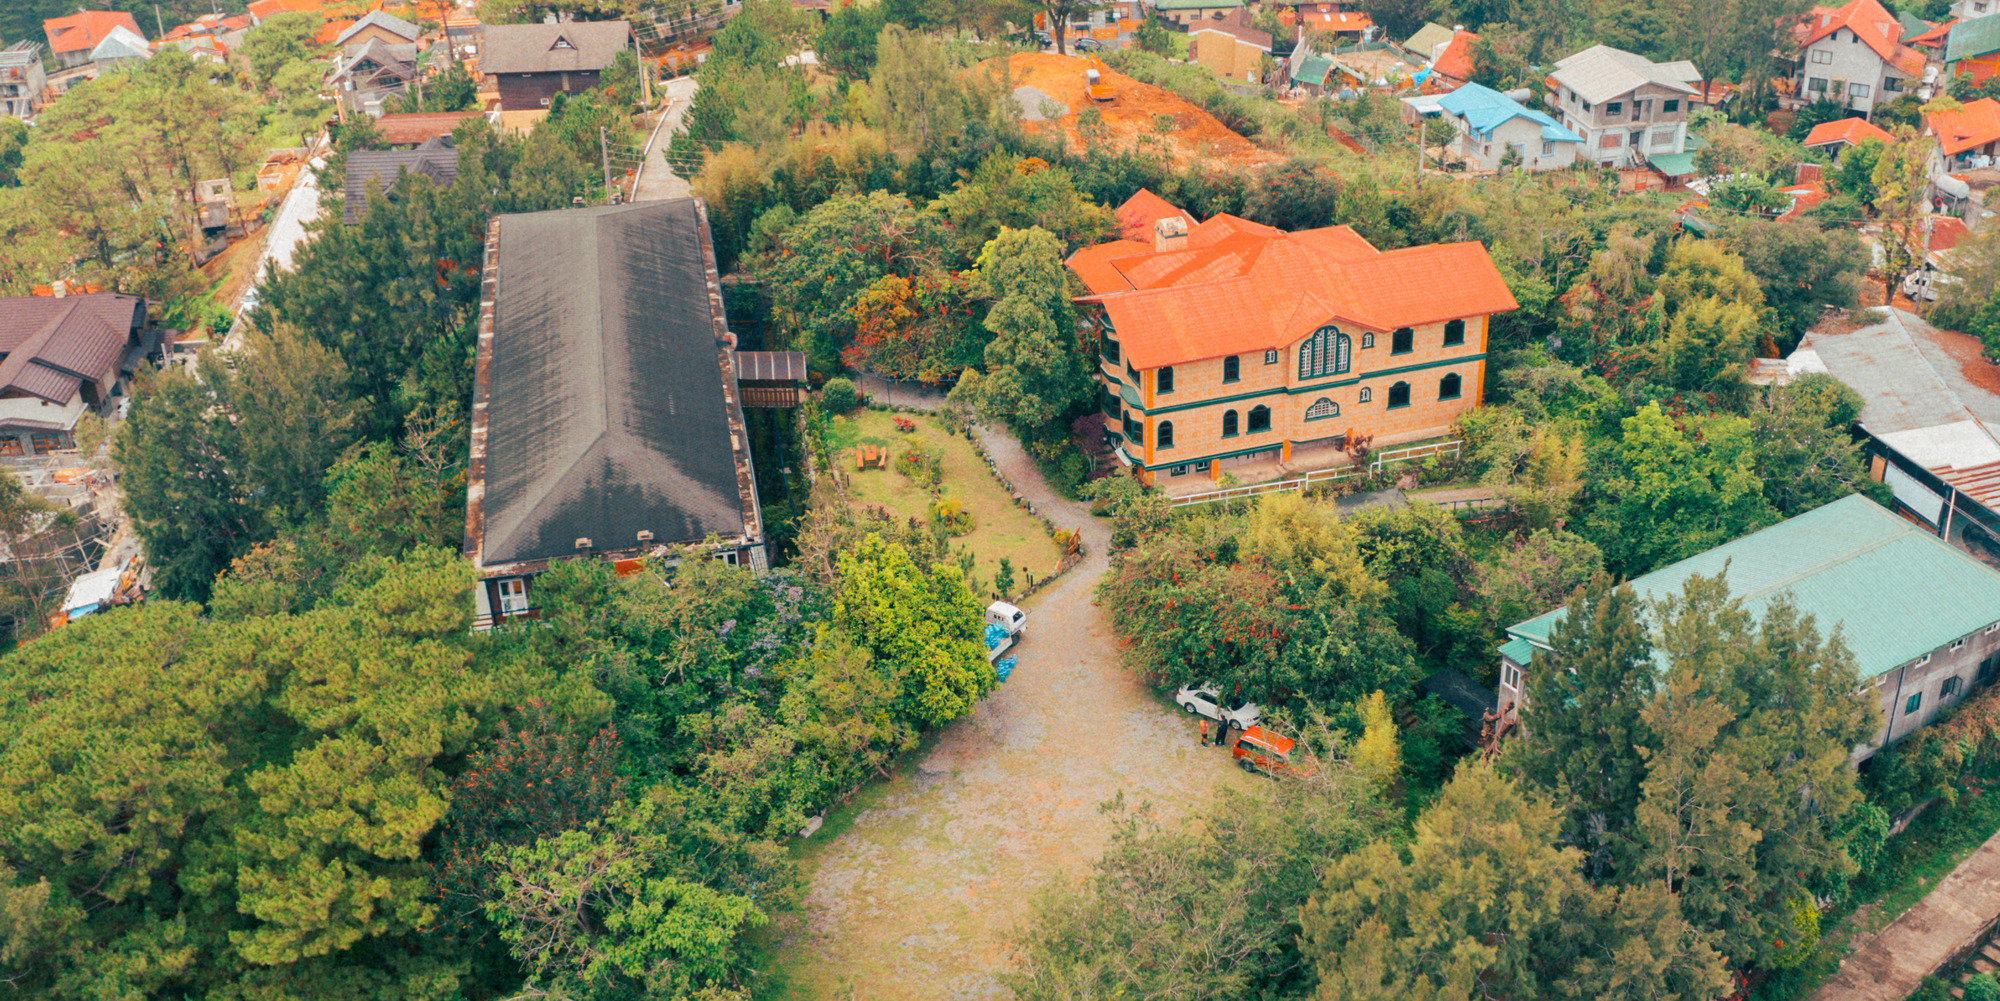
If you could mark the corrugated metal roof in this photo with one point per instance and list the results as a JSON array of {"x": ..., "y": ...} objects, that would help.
[
  {"x": 1425, "y": 42},
  {"x": 1518, "y": 650},
  {"x": 1906, "y": 378},
  {"x": 1486, "y": 109},
  {"x": 1971, "y": 38},
  {"x": 1672, "y": 164},
  {"x": 388, "y": 22},
  {"x": 1895, "y": 590},
  {"x": 1312, "y": 70},
  {"x": 1600, "y": 73},
  {"x": 770, "y": 366},
  {"x": 607, "y": 407}
]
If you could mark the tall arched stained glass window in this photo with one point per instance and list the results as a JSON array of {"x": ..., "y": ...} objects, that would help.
[{"x": 1326, "y": 352}]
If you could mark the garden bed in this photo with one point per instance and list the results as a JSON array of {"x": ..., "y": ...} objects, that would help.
[{"x": 1000, "y": 527}]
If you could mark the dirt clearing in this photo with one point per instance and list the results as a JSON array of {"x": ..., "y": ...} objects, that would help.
[{"x": 1135, "y": 116}]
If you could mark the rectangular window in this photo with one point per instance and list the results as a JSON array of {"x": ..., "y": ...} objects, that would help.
[
  {"x": 1816, "y": 84},
  {"x": 1548, "y": 148},
  {"x": 513, "y": 596},
  {"x": 1891, "y": 84},
  {"x": 1164, "y": 382},
  {"x": 10, "y": 446},
  {"x": 1271, "y": 357},
  {"x": 1614, "y": 107},
  {"x": 1822, "y": 56},
  {"x": 1610, "y": 140},
  {"x": 1180, "y": 470},
  {"x": 1663, "y": 139},
  {"x": 1915, "y": 703},
  {"x": 1669, "y": 107},
  {"x": 1921, "y": 661},
  {"x": 1858, "y": 90},
  {"x": 1957, "y": 646},
  {"x": 1950, "y": 687},
  {"x": 1232, "y": 369},
  {"x": 1111, "y": 351},
  {"x": 46, "y": 442}
]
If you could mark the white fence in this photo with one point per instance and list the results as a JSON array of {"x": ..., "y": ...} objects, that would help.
[{"x": 1375, "y": 464}]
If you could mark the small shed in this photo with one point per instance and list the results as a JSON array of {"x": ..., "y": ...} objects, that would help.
[{"x": 770, "y": 379}]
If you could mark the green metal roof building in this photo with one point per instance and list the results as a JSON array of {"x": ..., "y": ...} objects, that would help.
[{"x": 1921, "y": 615}]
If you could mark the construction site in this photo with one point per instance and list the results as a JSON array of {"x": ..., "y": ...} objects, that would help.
[{"x": 1053, "y": 91}]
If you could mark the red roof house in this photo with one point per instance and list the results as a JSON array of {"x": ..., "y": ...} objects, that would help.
[
  {"x": 1846, "y": 132},
  {"x": 1454, "y": 64},
  {"x": 72, "y": 38},
  {"x": 1972, "y": 131}
]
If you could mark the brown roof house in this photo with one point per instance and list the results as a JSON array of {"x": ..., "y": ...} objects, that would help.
[
  {"x": 534, "y": 62},
  {"x": 59, "y": 357},
  {"x": 606, "y": 419},
  {"x": 371, "y": 73}
]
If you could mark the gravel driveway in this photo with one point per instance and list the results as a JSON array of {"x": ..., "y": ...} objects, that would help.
[{"x": 915, "y": 897}]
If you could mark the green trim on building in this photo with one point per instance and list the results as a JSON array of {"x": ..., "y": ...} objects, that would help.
[
  {"x": 1320, "y": 388},
  {"x": 1216, "y": 457}
]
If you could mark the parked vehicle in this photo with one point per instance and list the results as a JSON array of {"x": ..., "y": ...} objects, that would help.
[
  {"x": 1004, "y": 625},
  {"x": 1924, "y": 284},
  {"x": 1260, "y": 750},
  {"x": 1203, "y": 700},
  {"x": 1088, "y": 44}
]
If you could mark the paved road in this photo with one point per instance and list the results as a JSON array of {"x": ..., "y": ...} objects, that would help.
[
  {"x": 1888, "y": 966},
  {"x": 657, "y": 181},
  {"x": 916, "y": 898},
  {"x": 286, "y": 232}
]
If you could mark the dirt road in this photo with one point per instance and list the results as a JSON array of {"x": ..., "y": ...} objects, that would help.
[{"x": 914, "y": 897}]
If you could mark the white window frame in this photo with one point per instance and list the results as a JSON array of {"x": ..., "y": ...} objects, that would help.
[
  {"x": 1860, "y": 90},
  {"x": 513, "y": 595},
  {"x": 1822, "y": 56}
]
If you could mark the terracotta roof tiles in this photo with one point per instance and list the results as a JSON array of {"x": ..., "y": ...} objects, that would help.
[
  {"x": 1848, "y": 130},
  {"x": 1239, "y": 286},
  {"x": 1137, "y": 216},
  {"x": 1977, "y": 124},
  {"x": 1456, "y": 59},
  {"x": 82, "y": 31}
]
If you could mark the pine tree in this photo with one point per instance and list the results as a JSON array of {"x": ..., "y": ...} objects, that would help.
[{"x": 1581, "y": 720}]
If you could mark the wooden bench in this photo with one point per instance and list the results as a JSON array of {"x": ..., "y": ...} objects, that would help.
[{"x": 871, "y": 455}]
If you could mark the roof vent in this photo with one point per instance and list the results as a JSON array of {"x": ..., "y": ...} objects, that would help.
[
  {"x": 583, "y": 543},
  {"x": 645, "y": 535}
]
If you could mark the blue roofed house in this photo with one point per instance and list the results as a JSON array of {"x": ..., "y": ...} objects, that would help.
[
  {"x": 1921, "y": 616},
  {"x": 1490, "y": 123}
]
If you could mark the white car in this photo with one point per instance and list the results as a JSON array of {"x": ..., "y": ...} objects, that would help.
[{"x": 1202, "y": 699}]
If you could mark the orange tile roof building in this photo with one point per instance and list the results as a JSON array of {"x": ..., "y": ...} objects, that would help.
[
  {"x": 1228, "y": 342},
  {"x": 72, "y": 38},
  {"x": 1964, "y": 135},
  {"x": 1838, "y": 135}
]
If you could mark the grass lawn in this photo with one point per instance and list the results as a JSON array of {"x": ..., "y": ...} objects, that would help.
[{"x": 999, "y": 528}]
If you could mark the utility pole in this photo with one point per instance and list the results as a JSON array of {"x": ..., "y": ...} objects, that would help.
[
  {"x": 604, "y": 151},
  {"x": 157, "y": 23}
]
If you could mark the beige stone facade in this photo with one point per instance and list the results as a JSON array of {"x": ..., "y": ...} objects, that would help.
[{"x": 1186, "y": 430}]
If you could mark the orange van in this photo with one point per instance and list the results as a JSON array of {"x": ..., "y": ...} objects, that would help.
[{"x": 1260, "y": 750}]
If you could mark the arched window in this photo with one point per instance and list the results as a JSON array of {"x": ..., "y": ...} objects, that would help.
[
  {"x": 1324, "y": 353},
  {"x": 1260, "y": 419},
  {"x": 1164, "y": 382},
  {"x": 1403, "y": 341},
  {"x": 1163, "y": 436},
  {"x": 1232, "y": 369},
  {"x": 1454, "y": 333},
  {"x": 1366, "y": 395},
  {"x": 1367, "y": 340},
  {"x": 1229, "y": 424},
  {"x": 1399, "y": 395},
  {"x": 1322, "y": 408},
  {"x": 1448, "y": 387}
]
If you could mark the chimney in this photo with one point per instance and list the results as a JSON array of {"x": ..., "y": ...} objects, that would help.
[{"x": 1170, "y": 233}]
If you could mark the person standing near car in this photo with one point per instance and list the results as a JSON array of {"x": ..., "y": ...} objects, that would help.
[
  {"x": 1222, "y": 733},
  {"x": 1204, "y": 733}
]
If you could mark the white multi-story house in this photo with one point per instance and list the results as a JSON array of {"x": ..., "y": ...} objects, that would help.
[
  {"x": 1626, "y": 107},
  {"x": 1853, "y": 54}
]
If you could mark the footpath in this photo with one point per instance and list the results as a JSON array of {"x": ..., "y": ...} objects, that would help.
[{"x": 1890, "y": 964}]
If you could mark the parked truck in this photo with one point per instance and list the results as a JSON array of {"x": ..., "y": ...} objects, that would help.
[{"x": 1004, "y": 626}]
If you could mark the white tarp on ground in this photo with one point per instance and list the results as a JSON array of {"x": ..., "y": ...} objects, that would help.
[{"x": 91, "y": 592}]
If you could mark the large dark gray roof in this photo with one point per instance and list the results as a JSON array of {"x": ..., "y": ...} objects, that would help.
[
  {"x": 383, "y": 166},
  {"x": 606, "y": 412},
  {"x": 553, "y": 48}
]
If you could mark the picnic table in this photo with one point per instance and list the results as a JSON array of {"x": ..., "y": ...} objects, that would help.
[{"x": 871, "y": 455}]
